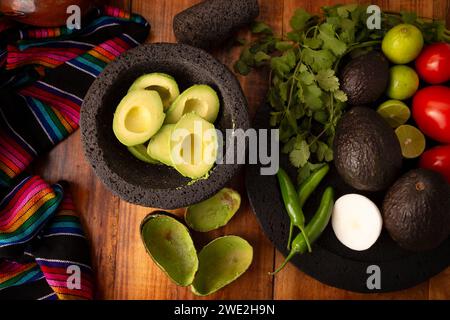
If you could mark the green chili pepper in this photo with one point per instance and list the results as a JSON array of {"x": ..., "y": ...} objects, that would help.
[
  {"x": 314, "y": 228},
  {"x": 292, "y": 205},
  {"x": 308, "y": 187}
]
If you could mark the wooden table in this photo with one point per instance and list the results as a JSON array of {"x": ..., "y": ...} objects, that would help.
[{"x": 122, "y": 267}]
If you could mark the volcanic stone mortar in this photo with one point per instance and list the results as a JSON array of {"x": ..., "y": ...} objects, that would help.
[
  {"x": 136, "y": 181},
  {"x": 211, "y": 22}
]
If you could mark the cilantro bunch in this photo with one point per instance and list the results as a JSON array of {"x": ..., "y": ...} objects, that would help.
[{"x": 304, "y": 88}]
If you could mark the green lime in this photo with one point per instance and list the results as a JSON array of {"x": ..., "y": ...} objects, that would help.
[
  {"x": 403, "y": 82},
  {"x": 412, "y": 141},
  {"x": 403, "y": 43},
  {"x": 395, "y": 112}
]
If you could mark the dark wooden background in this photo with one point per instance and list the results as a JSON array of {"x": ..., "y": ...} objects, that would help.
[{"x": 123, "y": 269}]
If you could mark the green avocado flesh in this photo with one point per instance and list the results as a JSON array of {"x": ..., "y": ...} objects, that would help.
[
  {"x": 140, "y": 152},
  {"x": 221, "y": 261},
  {"x": 171, "y": 247},
  {"x": 159, "y": 146},
  {"x": 138, "y": 117},
  {"x": 162, "y": 83},
  {"x": 199, "y": 98},
  {"x": 193, "y": 146},
  {"x": 214, "y": 212}
]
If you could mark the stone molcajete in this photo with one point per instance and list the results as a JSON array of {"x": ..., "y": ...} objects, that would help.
[{"x": 139, "y": 182}]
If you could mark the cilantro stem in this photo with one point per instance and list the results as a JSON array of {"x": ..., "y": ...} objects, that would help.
[
  {"x": 325, "y": 128},
  {"x": 293, "y": 77}
]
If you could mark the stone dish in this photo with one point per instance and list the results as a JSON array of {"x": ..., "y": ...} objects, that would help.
[{"x": 136, "y": 181}]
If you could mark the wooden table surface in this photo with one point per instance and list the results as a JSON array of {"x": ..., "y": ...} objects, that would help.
[{"x": 123, "y": 269}]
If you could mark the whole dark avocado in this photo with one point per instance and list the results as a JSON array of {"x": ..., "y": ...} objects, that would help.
[
  {"x": 367, "y": 153},
  {"x": 365, "y": 78},
  {"x": 416, "y": 210}
]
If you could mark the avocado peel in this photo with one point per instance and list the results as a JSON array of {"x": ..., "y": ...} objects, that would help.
[
  {"x": 221, "y": 261},
  {"x": 170, "y": 246},
  {"x": 214, "y": 212}
]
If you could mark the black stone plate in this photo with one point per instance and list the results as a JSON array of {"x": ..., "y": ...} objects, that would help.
[{"x": 331, "y": 262}]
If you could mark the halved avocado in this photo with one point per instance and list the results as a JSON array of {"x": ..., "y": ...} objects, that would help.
[
  {"x": 162, "y": 83},
  {"x": 140, "y": 152},
  {"x": 221, "y": 261},
  {"x": 193, "y": 146},
  {"x": 170, "y": 245},
  {"x": 199, "y": 98},
  {"x": 159, "y": 145},
  {"x": 138, "y": 117},
  {"x": 214, "y": 212}
]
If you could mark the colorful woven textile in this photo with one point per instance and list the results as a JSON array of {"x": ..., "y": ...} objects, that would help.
[{"x": 44, "y": 76}]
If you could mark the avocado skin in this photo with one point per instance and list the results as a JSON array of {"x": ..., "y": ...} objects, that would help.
[
  {"x": 365, "y": 79},
  {"x": 366, "y": 150},
  {"x": 416, "y": 210}
]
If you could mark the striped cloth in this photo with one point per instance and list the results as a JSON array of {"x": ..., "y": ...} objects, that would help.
[
  {"x": 44, "y": 75},
  {"x": 54, "y": 264}
]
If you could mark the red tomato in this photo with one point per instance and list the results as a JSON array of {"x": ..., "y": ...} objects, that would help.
[
  {"x": 433, "y": 63},
  {"x": 431, "y": 110},
  {"x": 437, "y": 159}
]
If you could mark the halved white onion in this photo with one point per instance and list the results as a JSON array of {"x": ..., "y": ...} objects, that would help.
[{"x": 356, "y": 221}]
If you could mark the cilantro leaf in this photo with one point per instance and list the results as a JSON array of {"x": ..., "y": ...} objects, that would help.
[
  {"x": 345, "y": 10},
  {"x": 283, "y": 45},
  {"x": 408, "y": 17},
  {"x": 330, "y": 42},
  {"x": 313, "y": 43},
  {"x": 261, "y": 56},
  {"x": 242, "y": 68},
  {"x": 306, "y": 77},
  {"x": 327, "y": 80},
  {"x": 312, "y": 94},
  {"x": 279, "y": 66},
  {"x": 299, "y": 19},
  {"x": 318, "y": 59},
  {"x": 299, "y": 156},
  {"x": 340, "y": 95},
  {"x": 261, "y": 27}
]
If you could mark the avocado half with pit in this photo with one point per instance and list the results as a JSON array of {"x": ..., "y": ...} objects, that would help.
[
  {"x": 162, "y": 83},
  {"x": 170, "y": 245},
  {"x": 138, "y": 117},
  {"x": 193, "y": 146},
  {"x": 200, "y": 98}
]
